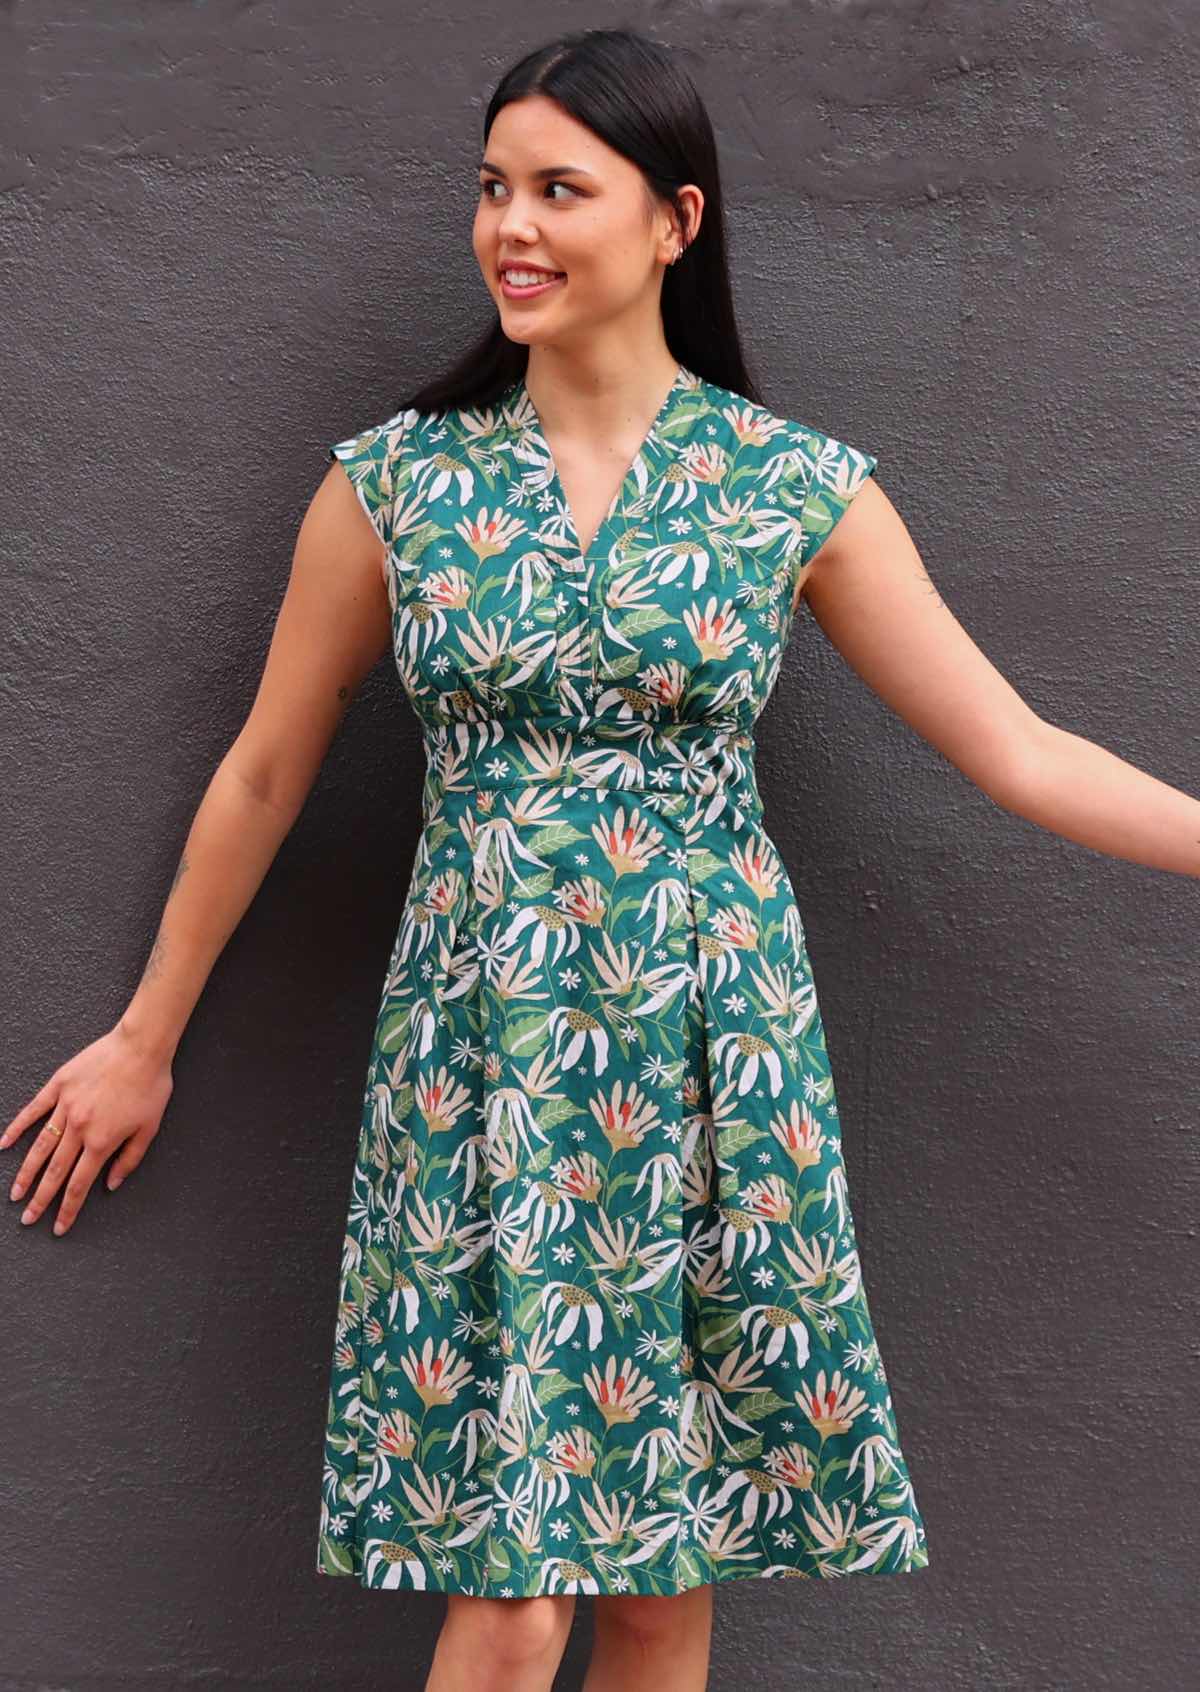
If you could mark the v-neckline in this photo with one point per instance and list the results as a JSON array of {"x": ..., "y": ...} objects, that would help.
[{"x": 533, "y": 426}]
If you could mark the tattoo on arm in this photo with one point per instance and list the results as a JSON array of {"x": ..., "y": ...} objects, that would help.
[
  {"x": 154, "y": 962},
  {"x": 924, "y": 576},
  {"x": 180, "y": 870},
  {"x": 158, "y": 950}
]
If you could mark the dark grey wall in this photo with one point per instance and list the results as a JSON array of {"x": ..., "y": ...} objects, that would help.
[{"x": 229, "y": 234}]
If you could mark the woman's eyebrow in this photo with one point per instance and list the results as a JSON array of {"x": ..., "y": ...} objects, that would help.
[{"x": 545, "y": 173}]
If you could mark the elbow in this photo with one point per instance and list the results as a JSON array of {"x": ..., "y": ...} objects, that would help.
[
  {"x": 1017, "y": 775},
  {"x": 273, "y": 782}
]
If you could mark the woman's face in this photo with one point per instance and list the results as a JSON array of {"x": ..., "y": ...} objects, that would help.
[{"x": 553, "y": 196}]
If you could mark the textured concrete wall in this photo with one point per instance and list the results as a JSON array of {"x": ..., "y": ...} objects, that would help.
[{"x": 965, "y": 237}]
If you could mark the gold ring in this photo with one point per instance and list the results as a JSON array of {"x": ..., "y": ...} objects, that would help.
[{"x": 51, "y": 1129}]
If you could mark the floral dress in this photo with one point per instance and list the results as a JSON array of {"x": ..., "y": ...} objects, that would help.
[{"x": 601, "y": 1324}]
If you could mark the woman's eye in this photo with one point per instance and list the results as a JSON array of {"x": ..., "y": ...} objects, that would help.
[{"x": 494, "y": 182}]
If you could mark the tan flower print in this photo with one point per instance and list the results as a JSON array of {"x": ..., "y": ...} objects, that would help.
[
  {"x": 717, "y": 629},
  {"x": 437, "y": 1375},
  {"x": 832, "y": 1408},
  {"x": 628, "y": 845},
  {"x": 626, "y": 1115},
  {"x": 450, "y": 588},
  {"x": 757, "y": 866},
  {"x": 490, "y": 533},
  {"x": 799, "y": 1133},
  {"x": 620, "y": 1391},
  {"x": 442, "y": 1100}
]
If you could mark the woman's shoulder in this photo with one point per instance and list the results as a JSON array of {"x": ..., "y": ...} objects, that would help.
[
  {"x": 379, "y": 438},
  {"x": 410, "y": 427},
  {"x": 813, "y": 448},
  {"x": 752, "y": 422}
]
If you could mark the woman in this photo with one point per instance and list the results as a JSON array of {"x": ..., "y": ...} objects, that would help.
[{"x": 601, "y": 1324}]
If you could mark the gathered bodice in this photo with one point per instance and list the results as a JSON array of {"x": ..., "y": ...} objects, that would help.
[{"x": 677, "y": 616}]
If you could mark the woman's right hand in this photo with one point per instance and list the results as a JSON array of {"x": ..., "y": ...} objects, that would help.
[{"x": 111, "y": 1094}]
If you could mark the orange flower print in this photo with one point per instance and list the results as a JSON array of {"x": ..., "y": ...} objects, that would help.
[
  {"x": 738, "y": 927},
  {"x": 831, "y": 1409},
  {"x": 799, "y": 1133},
  {"x": 583, "y": 899},
  {"x": 437, "y": 1375},
  {"x": 396, "y": 1435},
  {"x": 792, "y": 1464},
  {"x": 573, "y": 1449},
  {"x": 490, "y": 533},
  {"x": 757, "y": 867},
  {"x": 717, "y": 629},
  {"x": 621, "y": 1392},
  {"x": 768, "y": 1197},
  {"x": 580, "y": 1175},
  {"x": 441, "y": 1100},
  {"x": 664, "y": 683},
  {"x": 450, "y": 587},
  {"x": 443, "y": 892},
  {"x": 625, "y": 1116},
  {"x": 628, "y": 846}
]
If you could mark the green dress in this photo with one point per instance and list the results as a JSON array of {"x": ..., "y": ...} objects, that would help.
[{"x": 601, "y": 1322}]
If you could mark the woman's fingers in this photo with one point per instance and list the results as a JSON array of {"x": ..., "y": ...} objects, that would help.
[
  {"x": 87, "y": 1166},
  {"x": 128, "y": 1158},
  {"x": 61, "y": 1149},
  {"x": 38, "y": 1105},
  {"x": 41, "y": 1147}
]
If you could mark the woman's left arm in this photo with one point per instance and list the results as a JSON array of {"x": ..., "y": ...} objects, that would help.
[{"x": 872, "y": 596}]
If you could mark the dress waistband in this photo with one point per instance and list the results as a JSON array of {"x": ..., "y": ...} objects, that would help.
[{"x": 626, "y": 756}]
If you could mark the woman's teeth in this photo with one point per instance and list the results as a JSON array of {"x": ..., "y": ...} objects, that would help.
[{"x": 526, "y": 284}]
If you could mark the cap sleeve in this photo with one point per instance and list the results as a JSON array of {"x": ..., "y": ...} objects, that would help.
[
  {"x": 837, "y": 472},
  {"x": 369, "y": 459}
]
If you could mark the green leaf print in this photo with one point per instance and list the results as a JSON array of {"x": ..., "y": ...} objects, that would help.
[
  {"x": 552, "y": 1386},
  {"x": 643, "y": 620},
  {"x": 624, "y": 664},
  {"x": 556, "y": 1111},
  {"x": 736, "y": 1137},
  {"x": 523, "y": 1032},
  {"x": 554, "y": 839},
  {"x": 703, "y": 865},
  {"x": 753, "y": 1406}
]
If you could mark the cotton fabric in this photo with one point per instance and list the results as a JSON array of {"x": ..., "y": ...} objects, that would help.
[{"x": 601, "y": 1324}]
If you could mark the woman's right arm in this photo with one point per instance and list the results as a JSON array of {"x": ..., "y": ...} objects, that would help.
[{"x": 333, "y": 626}]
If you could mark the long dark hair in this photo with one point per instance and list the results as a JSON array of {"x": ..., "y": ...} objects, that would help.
[{"x": 635, "y": 95}]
